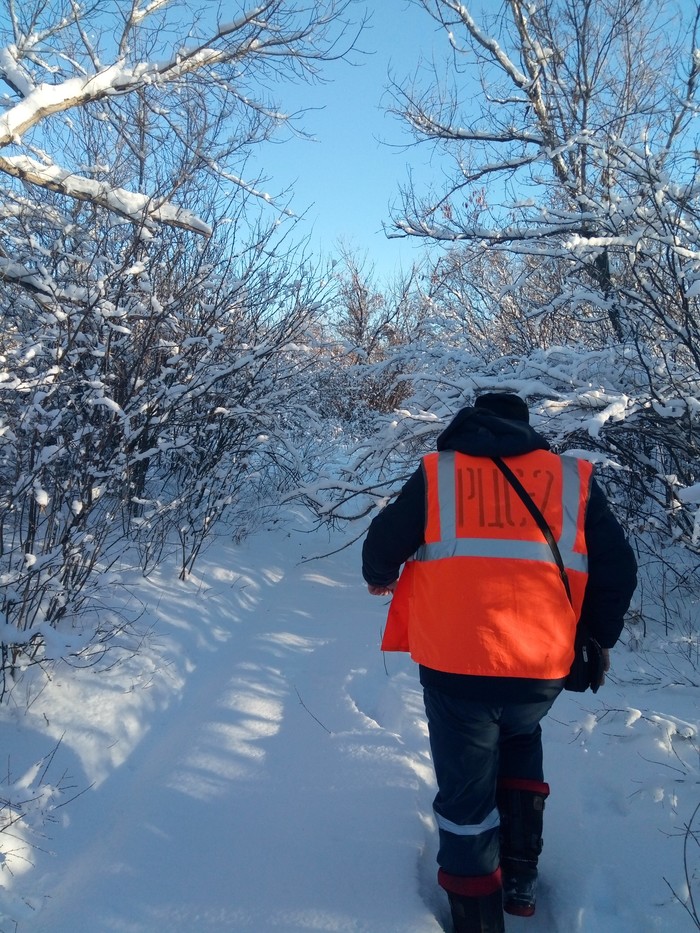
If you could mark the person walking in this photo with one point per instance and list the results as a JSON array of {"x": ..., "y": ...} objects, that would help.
[{"x": 483, "y": 609}]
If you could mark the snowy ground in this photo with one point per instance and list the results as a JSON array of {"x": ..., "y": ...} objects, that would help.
[{"x": 260, "y": 766}]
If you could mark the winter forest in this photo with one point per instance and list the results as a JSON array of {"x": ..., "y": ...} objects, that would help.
[{"x": 179, "y": 372}]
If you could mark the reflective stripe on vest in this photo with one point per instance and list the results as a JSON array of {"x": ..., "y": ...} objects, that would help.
[{"x": 510, "y": 548}]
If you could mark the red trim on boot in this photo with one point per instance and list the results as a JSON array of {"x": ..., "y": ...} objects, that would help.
[
  {"x": 537, "y": 787},
  {"x": 519, "y": 910},
  {"x": 470, "y": 886}
]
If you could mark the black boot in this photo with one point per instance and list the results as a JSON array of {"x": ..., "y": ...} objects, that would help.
[
  {"x": 521, "y": 807},
  {"x": 483, "y": 914},
  {"x": 519, "y": 886}
]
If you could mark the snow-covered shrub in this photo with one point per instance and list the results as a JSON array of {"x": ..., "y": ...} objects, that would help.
[{"x": 148, "y": 309}]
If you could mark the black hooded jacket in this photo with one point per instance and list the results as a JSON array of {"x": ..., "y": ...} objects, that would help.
[{"x": 398, "y": 531}]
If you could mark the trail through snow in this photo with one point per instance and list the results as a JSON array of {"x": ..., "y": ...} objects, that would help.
[{"x": 260, "y": 766}]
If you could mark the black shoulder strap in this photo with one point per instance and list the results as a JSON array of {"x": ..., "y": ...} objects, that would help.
[{"x": 539, "y": 518}]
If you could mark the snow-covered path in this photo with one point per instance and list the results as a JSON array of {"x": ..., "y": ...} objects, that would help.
[{"x": 258, "y": 769}]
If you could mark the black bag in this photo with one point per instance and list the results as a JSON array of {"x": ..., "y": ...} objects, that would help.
[{"x": 589, "y": 664}]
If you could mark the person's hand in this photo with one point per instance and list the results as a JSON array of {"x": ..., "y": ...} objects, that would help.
[
  {"x": 606, "y": 664},
  {"x": 386, "y": 590}
]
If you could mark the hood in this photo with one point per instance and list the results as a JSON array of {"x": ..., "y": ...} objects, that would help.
[{"x": 480, "y": 434}]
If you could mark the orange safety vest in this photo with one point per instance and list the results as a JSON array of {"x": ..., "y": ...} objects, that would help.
[{"x": 483, "y": 594}]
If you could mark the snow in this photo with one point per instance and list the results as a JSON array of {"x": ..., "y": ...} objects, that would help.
[
  {"x": 690, "y": 493},
  {"x": 259, "y": 766}
]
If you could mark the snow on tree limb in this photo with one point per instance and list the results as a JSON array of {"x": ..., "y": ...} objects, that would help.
[
  {"x": 251, "y": 34},
  {"x": 12, "y": 73},
  {"x": 487, "y": 43},
  {"x": 47, "y": 289},
  {"x": 47, "y": 99},
  {"x": 11, "y": 271},
  {"x": 44, "y": 100},
  {"x": 135, "y": 207}
]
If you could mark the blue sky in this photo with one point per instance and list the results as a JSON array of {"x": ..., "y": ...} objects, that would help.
[{"x": 345, "y": 181}]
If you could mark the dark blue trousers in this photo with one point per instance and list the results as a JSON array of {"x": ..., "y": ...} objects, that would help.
[{"x": 475, "y": 745}]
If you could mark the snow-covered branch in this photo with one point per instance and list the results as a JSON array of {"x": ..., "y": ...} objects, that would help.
[
  {"x": 13, "y": 74},
  {"x": 137, "y": 208}
]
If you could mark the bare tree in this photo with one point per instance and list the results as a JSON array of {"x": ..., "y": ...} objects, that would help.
[
  {"x": 366, "y": 322},
  {"x": 583, "y": 113},
  {"x": 195, "y": 76},
  {"x": 497, "y": 303}
]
